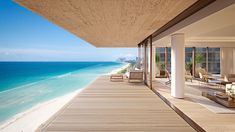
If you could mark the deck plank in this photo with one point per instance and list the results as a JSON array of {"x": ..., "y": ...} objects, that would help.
[{"x": 116, "y": 106}]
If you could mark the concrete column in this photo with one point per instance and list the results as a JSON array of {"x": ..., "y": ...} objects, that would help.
[{"x": 177, "y": 65}]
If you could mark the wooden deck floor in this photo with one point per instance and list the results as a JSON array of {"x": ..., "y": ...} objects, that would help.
[{"x": 116, "y": 106}]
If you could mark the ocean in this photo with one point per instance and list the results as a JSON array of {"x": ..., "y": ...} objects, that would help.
[{"x": 26, "y": 84}]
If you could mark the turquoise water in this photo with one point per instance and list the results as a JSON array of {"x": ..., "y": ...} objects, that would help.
[{"x": 25, "y": 84}]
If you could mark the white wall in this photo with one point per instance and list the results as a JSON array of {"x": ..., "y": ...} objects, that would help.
[{"x": 227, "y": 60}]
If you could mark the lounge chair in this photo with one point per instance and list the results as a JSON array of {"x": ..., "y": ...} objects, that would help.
[
  {"x": 204, "y": 76},
  {"x": 188, "y": 76},
  {"x": 116, "y": 77},
  {"x": 168, "y": 75},
  {"x": 230, "y": 90},
  {"x": 135, "y": 76},
  {"x": 229, "y": 78}
]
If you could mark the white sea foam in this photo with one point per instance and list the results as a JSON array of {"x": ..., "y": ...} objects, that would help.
[
  {"x": 36, "y": 82},
  {"x": 64, "y": 75},
  {"x": 19, "y": 87}
]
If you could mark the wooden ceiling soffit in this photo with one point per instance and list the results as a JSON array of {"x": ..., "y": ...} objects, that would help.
[{"x": 110, "y": 23}]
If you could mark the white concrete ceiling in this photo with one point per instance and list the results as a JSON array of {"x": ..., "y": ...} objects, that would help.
[{"x": 216, "y": 30}]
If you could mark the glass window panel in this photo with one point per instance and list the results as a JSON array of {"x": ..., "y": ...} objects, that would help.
[
  {"x": 188, "y": 57},
  {"x": 189, "y": 50},
  {"x": 214, "y": 60},
  {"x": 213, "y": 57},
  {"x": 214, "y": 49},
  {"x": 160, "y": 50},
  {"x": 200, "y": 49},
  {"x": 169, "y": 50}
]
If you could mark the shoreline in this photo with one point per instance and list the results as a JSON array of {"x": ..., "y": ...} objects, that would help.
[
  {"x": 41, "y": 112},
  {"x": 22, "y": 121},
  {"x": 119, "y": 69}
]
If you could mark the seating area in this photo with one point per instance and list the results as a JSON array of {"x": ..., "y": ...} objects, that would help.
[
  {"x": 220, "y": 98},
  {"x": 132, "y": 73},
  {"x": 226, "y": 97},
  {"x": 222, "y": 89}
]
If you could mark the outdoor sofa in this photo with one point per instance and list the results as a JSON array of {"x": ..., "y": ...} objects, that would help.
[{"x": 135, "y": 76}]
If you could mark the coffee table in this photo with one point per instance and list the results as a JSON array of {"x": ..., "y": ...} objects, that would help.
[
  {"x": 220, "y": 98},
  {"x": 116, "y": 77},
  {"x": 219, "y": 83}
]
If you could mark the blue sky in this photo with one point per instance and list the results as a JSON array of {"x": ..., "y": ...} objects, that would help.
[{"x": 25, "y": 36}]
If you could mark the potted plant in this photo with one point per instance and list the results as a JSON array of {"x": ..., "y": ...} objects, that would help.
[
  {"x": 188, "y": 66},
  {"x": 157, "y": 60},
  {"x": 160, "y": 65},
  {"x": 162, "y": 69},
  {"x": 199, "y": 58}
]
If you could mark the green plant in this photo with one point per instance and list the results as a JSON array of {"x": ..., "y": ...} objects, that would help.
[
  {"x": 162, "y": 66},
  {"x": 159, "y": 63},
  {"x": 199, "y": 58},
  {"x": 188, "y": 65},
  {"x": 157, "y": 58},
  {"x": 123, "y": 71},
  {"x": 132, "y": 65}
]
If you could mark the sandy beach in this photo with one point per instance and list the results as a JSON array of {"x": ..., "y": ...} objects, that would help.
[
  {"x": 119, "y": 69},
  {"x": 31, "y": 119}
]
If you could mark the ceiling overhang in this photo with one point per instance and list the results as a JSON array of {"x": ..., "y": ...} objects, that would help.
[{"x": 109, "y": 23}]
